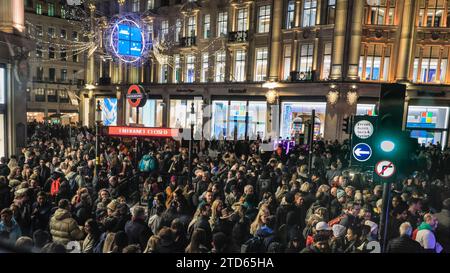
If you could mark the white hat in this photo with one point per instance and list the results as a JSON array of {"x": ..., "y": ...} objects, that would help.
[
  {"x": 373, "y": 226},
  {"x": 338, "y": 230},
  {"x": 322, "y": 226}
]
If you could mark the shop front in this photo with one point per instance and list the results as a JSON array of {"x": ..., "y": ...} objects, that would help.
[
  {"x": 238, "y": 119},
  {"x": 294, "y": 117},
  {"x": 428, "y": 124},
  {"x": 180, "y": 113},
  {"x": 150, "y": 115}
]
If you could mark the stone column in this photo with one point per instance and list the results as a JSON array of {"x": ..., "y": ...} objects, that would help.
[
  {"x": 339, "y": 39},
  {"x": 12, "y": 16},
  {"x": 406, "y": 41},
  {"x": 275, "y": 47},
  {"x": 355, "y": 40}
]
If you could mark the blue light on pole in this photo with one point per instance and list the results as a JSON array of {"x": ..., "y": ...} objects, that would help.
[{"x": 387, "y": 146}]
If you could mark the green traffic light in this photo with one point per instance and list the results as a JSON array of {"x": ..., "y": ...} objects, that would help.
[{"x": 387, "y": 146}]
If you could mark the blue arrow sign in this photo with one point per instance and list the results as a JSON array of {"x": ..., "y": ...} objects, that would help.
[{"x": 362, "y": 152}]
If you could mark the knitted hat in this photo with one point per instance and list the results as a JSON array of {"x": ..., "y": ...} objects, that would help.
[
  {"x": 340, "y": 193},
  {"x": 373, "y": 226},
  {"x": 322, "y": 226},
  {"x": 112, "y": 205},
  {"x": 338, "y": 230}
]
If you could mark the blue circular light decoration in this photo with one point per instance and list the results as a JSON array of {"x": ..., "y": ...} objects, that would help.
[{"x": 126, "y": 39}]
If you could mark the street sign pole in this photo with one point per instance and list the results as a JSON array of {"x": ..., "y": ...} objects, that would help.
[{"x": 384, "y": 217}]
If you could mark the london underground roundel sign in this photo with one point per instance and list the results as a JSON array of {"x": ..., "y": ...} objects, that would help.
[{"x": 136, "y": 96}]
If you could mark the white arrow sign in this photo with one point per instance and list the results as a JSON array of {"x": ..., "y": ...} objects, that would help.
[{"x": 359, "y": 152}]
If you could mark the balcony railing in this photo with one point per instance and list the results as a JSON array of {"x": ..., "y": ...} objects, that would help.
[
  {"x": 238, "y": 36},
  {"x": 188, "y": 41},
  {"x": 296, "y": 76},
  {"x": 104, "y": 81}
]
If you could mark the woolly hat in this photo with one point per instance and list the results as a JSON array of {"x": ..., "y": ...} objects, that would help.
[
  {"x": 340, "y": 193},
  {"x": 338, "y": 230},
  {"x": 322, "y": 226}
]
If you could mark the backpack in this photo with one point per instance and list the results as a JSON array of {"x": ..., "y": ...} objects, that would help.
[
  {"x": 253, "y": 245},
  {"x": 54, "y": 189},
  {"x": 152, "y": 164}
]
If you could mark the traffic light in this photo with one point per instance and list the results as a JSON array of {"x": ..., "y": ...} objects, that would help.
[{"x": 346, "y": 126}]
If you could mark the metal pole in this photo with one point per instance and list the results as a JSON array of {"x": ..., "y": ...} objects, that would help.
[
  {"x": 350, "y": 140},
  {"x": 384, "y": 217},
  {"x": 191, "y": 139},
  {"x": 70, "y": 131},
  {"x": 310, "y": 139},
  {"x": 97, "y": 159}
]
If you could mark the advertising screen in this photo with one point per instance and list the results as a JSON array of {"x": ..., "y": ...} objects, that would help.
[{"x": 129, "y": 40}]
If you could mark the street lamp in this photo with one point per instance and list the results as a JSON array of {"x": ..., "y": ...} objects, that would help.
[
  {"x": 191, "y": 139},
  {"x": 98, "y": 120}
]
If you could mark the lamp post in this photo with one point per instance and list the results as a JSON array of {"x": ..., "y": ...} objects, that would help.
[
  {"x": 98, "y": 120},
  {"x": 191, "y": 141}
]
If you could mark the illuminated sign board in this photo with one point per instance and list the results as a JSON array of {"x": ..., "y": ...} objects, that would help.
[
  {"x": 136, "y": 96},
  {"x": 127, "y": 40},
  {"x": 125, "y": 131}
]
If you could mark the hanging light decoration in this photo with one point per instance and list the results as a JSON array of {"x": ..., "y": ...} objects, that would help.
[{"x": 121, "y": 2}]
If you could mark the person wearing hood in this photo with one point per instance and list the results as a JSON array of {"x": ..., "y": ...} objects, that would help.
[
  {"x": 425, "y": 234},
  {"x": 9, "y": 225},
  {"x": 63, "y": 227}
]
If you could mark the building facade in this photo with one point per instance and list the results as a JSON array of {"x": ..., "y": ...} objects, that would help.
[
  {"x": 14, "y": 72},
  {"x": 259, "y": 68},
  {"x": 57, "y": 62}
]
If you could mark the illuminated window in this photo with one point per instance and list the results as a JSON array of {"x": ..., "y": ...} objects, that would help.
[
  {"x": 331, "y": 11},
  {"x": 177, "y": 68},
  {"x": 430, "y": 64},
  {"x": 39, "y": 73},
  {"x": 150, "y": 4},
  {"x": 261, "y": 64},
  {"x": 75, "y": 36},
  {"x": 164, "y": 29},
  {"x": 39, "y": 31},
  {"x": 222, "y": 24},
  {"x": 51, "y": 32},
  {"x": 63, "y": 74},
  {"x": 63, "y": 12},
  {"x": 242, "y": 19},
  {"x": 264, "y": 19},
  {"x": 432, "y": 13},
  {"x": 178, "y": 26},
  {"x": 192, "y": 27},
  {"x": 190, "y": 68},
  {"x": 326, "y": 69},
  {"x": 220, "y": 67},
  {"x": 63, "y": 34},
  {"x": 309, "y": 13},
  {"x": 380, "y": 12},
  {"x": 206, "y": 26},
  {"x": 305, "y": 60},
  {"x": 135, "y": 6},
  {"x": 51, "y": 9},
  {"x": 290, "y": 18},
  {"x": 287, "y": 61},
  {"x": 39, "y": 8},
  {"x": 374, "y": 62},
  {"x": 239, "y": 66},
  {"x": 38, "y": 51},
  {"x": 205, "y": 65}
]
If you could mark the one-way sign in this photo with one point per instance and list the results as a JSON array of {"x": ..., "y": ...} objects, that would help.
[{"x": 362, "y": 152}]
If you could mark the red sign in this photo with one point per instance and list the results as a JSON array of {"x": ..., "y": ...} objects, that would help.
[
  {"x": 141, "y": 131},
  {"x": 136, "y": 96}
]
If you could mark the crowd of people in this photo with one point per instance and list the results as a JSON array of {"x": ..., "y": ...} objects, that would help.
[{"x": 237, "y": 198}]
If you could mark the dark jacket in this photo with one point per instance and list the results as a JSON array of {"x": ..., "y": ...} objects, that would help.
[
  {"x": 40, "y": 216},
  {"x": 203, "y": 223},
  {"x": 267, "y": 235},
  {"x": 5, "y": 196},
  {"x": 138, "y": 232},
  {"x": 4, "y": 170},
  {"x": 443, "y": 229},
  {"x": 403, "y": 244}
]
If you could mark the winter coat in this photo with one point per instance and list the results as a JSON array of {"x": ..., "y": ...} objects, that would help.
[
  {"x": 443, "y": 229},
  {"x": 403, "y": 244},
  {"x": 40, "y": 216},
  {"x": 5, "y": 196},
  {"x": 138, "y": 232},
  {"x": 64, "y": 228},
  {"x": 267, "y": 235},
  {"x": 14, "y": 231},
  {"x": 89, "y": 244},
  {"x": 203, "y": 223}
]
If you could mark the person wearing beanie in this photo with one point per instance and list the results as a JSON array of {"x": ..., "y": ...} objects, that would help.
[
  {"x": 337, "y": 242},
  {"x": 337, "y": 203},
  {"x": 320, "y": 245},
  {"x": 373, "y": 230}
]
